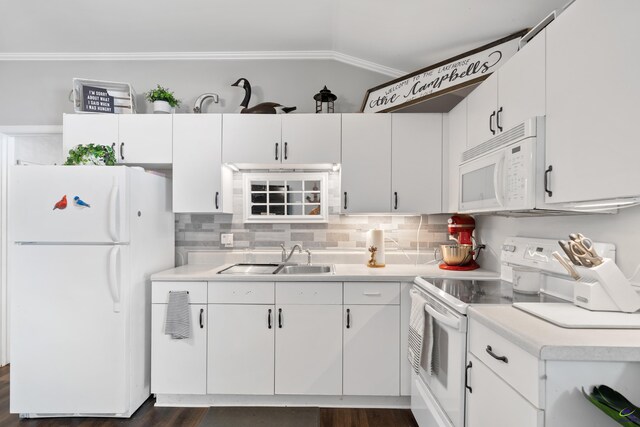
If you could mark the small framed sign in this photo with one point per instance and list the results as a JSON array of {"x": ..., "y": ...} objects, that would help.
[
  {"x": 96, "y": 100},
  {"x": 100, "y": 96},
  {"x": 444, "y": 77}
]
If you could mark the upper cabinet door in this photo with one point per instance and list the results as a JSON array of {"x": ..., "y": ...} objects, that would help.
[
  {"x": 145, "y": 139},
  {"x": 197, "y": 167},
  {"x": 416, "y": 163},
  {"x": 99, "y": 129},
  {"x": 521, "y": 85},
  {"x": 311, "y": 138},
  {"x": 592, "y": 101},
  {"x": 366, "y": 165},
  {"x": 251, "y": 138},
  {"x": 455, "y": 146},
  {"x": 482, "y": 111}
]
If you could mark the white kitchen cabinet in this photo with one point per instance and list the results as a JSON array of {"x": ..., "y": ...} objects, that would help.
[
  {"x": 592, "y": 101},
  {"x": 405, "y": 315},
  {"x": 179, "y": 366},
  {"x": 455, "y": 146},
  {"x": 416, "y": 163},
  {"x": 371, "y": 357},
  {"x": 241, "y": 349},
  {"x": 144, "y": 139},
  {"x": 201, "y": 183},
  {"x": 308, "y": 349},
  {"x": 511, "y": 95},
  {"x": 281, "y": 139}
]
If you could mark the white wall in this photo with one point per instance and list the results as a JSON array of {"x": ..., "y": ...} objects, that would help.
[
  {"x": 36, "y": 92},
  {"x": 622, "y": 229}
]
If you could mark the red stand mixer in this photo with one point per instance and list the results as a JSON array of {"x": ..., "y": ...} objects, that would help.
[{"x": 462, "y": 255}]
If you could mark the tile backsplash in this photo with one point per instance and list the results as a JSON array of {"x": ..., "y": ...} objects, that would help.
[{"x": 202, "y": 231}]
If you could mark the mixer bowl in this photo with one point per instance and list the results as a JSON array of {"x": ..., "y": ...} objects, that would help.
[{"x": 456, "y": 254}]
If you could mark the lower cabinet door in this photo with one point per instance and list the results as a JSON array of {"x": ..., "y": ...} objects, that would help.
[
  {"x": 309, "y": 349},
  {"x": 179, "y": 366},
  {"x": 241, "y": 349},
  {"x": 492, "y": 402},
  {"x": 371, "y": 356}
]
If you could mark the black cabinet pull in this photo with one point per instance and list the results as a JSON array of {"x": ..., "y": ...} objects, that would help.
[
  {"x": 493, "y": 132},
  {"x": 122, "y": 150},
  {"x": 546, "y": 181},
  {"x": 345, "y": 200},
  {"x": 269, "y": 319},
  {"x": 286, "y": 151},
  {"x": 348, "y": 318},
  {"x": 277, "y": 150},
  {"x": 217, "y": 194},
  {"x": 201, "y": 318},
  {"x": 395, "y": 203},
  {"x": 495, "y": 356},
  {"x": 113, "y": 148},
  {"x": 498, "y": 119},
  {"x": 466, "y": 377},
  {"x": 280, "y": 318}
]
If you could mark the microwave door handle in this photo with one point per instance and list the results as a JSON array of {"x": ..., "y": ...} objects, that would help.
[
  {"x": 497, "y": 181},
  {"x": 452, "y": 323}
]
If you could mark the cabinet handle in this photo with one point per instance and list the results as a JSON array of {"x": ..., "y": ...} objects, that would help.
[
  {"x": 495, "y": 356},
  {"x": 113, "y": 147},
  {"x": 466, "y": 377},
  {"x": 345, "y": 200},
  {"x": 277, "y": 150},
  {"x": 498, "y": 119},
  {"x": 122, "y": 150},
  {"x": 395, "y": 203},
  {"x": 217, "y": 194},
  {"x": 269, "y": 319},
  {"x": 546, "y": 181},
  {"x": 348, "y": 318},
  {"x": 493, "y": 132},
  {"x": 280, "y": 318},
  {"x": 201, "y": 318},
  {"x": 286, "y": 150}
]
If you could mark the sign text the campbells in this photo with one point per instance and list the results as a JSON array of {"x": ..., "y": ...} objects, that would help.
[
  {"x": 97, "y": 100},
  {"x": 455, "y": 73}
]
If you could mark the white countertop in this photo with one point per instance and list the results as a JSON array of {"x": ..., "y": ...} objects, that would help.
[
  {"x": 550, "y": 342},
  {"x": 343, "y": 272}
]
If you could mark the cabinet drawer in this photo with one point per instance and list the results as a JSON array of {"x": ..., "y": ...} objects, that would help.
[
  {"x": 197, "y": 291},
  {"x": 241, "y": 293},
  {"x": 372, "y": 292},
  {"x": 521, "y": 370},
  {"x": 309, "y": 292}
]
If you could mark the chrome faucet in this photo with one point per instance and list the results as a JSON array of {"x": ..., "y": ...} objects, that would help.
[
  {"x": 308, "y": 256},
  {"x": 198, "y": 104},
  {"x": 285, "y": 257}
]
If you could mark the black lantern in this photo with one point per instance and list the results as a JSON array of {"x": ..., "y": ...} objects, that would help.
[{"x": 324, "y": 101}]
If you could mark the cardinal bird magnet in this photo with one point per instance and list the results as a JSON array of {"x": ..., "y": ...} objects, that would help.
[
  {"x": 61, "y": 204},
  {"x": 79, "y": 202}
]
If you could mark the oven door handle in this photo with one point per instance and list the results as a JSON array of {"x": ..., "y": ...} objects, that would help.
[{"x": 452, "y": 323}]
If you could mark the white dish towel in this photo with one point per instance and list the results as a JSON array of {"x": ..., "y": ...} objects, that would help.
[
  {"x": 420, "y": 333},
  {"x": 178, "y": 320}
]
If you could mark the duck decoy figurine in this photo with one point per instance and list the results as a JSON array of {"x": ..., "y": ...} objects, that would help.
[{"x": 262, "y": 108}]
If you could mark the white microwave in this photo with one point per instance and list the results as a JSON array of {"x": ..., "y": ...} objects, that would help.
[{"x": 505, "y": 173}]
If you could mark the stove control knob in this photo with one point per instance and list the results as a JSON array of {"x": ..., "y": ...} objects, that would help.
[{"x": 509, "y": 248}]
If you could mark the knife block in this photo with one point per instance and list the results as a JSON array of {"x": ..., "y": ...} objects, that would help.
[{"x": 604, "y": 288}]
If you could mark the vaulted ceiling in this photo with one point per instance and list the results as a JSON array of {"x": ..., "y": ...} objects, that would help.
[{"x": 399, "y": 36}]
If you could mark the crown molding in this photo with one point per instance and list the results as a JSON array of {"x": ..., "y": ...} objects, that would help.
[{"x": 203, "y": 56}]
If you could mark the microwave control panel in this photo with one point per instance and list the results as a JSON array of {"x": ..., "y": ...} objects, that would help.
[{"x": 517, "y": 170}]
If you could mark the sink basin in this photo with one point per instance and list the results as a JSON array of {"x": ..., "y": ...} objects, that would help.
[
  {"x": 251, "y": 269},
  {"x": 306, "y": 269}
]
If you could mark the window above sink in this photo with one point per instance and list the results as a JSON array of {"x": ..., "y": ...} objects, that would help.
[{"x": 285, "y": 197}]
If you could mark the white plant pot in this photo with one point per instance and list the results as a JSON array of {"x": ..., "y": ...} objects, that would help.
[{"x": 162, "y": 107}]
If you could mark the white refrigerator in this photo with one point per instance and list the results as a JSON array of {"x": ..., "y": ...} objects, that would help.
[{"x": 85, "y": 240}]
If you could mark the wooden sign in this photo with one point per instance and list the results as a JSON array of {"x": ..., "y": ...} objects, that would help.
[
  {"x": 447, "y": 76},
  {"x": 97, "y": 100}
]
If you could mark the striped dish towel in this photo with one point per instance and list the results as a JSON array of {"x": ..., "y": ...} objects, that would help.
[
  {"x": 416, "y": 330},
  {"x": 178, "y": 320}
]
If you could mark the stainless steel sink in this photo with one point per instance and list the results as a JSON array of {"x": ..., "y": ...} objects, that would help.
[
  {"x": 305, "y": 269},
  {"x": 251, "y": 269}
]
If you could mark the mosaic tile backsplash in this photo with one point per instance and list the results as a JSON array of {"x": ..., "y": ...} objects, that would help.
[{"x": 202, "y": 231}]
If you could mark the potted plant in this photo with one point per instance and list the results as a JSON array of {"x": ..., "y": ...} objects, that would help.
[{"x": 164, "y": 101}]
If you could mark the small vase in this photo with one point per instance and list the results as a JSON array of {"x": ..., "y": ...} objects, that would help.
[{"x": 162, "y": 107}]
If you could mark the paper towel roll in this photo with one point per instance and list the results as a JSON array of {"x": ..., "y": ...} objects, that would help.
[{"x": 375, "y": 240}]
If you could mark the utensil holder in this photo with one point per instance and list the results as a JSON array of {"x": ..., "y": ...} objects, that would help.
[{"x": 605, "y": 288}]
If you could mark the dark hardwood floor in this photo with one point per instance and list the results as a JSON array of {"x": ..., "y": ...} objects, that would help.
[{"x": 149, "y": 415}]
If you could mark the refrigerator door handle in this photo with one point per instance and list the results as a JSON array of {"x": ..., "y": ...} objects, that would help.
[
  {"x": 113, "y": 212},
  {"x": 114, "y": 277}
]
